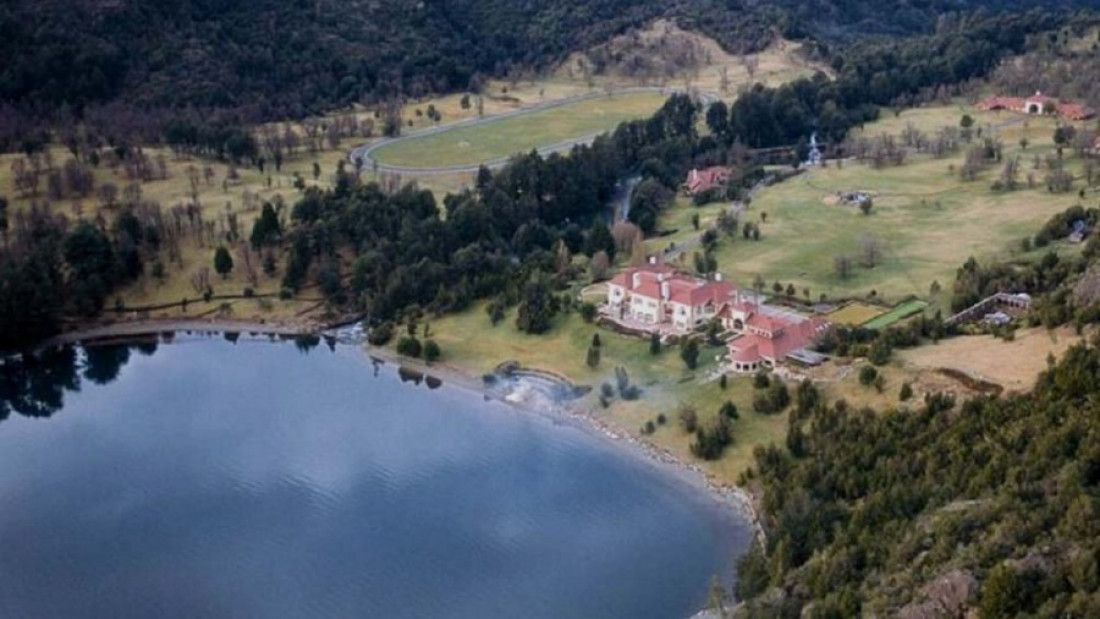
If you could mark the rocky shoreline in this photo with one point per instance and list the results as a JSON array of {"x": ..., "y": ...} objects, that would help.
[{"x": 583, "y": 418}]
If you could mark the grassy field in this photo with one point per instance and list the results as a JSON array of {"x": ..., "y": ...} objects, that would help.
[
  {"x": 926, "y": 220},
  {"x": 500, "y": 138},
  {"x": 470, "y": 343},
  {"x": 219, "y": 198},
  {"x": 855, "y": 313},
  {"x": 902, "y": 311},
  {"x": 1014, "y": 365}
]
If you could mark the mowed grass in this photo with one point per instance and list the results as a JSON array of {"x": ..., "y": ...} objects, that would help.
[
  {"x": 926, "y": 220},
  {"x": 855, "y": 313},
  {"x": 501, "y": 138},
  {"x": 898, "y": 313},
  {"x": 469, "y": 342}
]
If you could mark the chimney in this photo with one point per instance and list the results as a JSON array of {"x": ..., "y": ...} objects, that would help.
[
  {"x": 664, "y": 290},
  {"x": 635, "y": 280},
  {"x": 717, "y": 276},
  {"x": 653, "y": 259}
]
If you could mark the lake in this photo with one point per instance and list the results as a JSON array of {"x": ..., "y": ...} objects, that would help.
[{"x": 215, "y": 478}]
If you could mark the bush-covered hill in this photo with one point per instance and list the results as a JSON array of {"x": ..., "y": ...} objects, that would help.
[
  {"x": 278, "y": 58},
  {"x": 989, "y": 506}
]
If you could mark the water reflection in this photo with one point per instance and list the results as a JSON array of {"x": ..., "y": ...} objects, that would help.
[
  {"x": 198, "y": 484},
  {"x": 33, "y": 384}
]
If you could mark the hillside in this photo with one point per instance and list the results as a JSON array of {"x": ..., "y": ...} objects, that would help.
[{"x": 283, "y": 58}]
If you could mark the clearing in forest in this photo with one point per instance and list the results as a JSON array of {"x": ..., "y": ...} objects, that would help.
[
  {"x": 495, "y": 138},
  {"x": 1012, "y": 364}
]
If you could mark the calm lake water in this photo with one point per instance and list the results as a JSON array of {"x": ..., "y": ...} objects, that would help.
[{"x": 252, "y": 479}]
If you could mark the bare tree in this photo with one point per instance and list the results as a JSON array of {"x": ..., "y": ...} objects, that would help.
[
  {"x": 599, "y": 266},
  {"x": 200, "y": 280},
  {"x": 870, "y": 251},
  {"x": 751, "y": 63},
  {"x": 107, "y": 194},
  {"x": 842, "y": 265}
]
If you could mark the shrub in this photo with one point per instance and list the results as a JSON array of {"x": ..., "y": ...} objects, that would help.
[
  {"x": 689, "y": 419},
  {"x": 661, "y": 419},
  {"x": 381, "y": 334},
  {"x": 760, "y": 380},
  {"x": 906, "y": 392},
  {"x": 689, "y": 352},
  {"x": 654, "y": 344},
  {"x": 588, "y": 311},
  {"x": 867, "y": 375},
  {"x": 723, "y": 382},
  {"x": 607, "y": 391},
  {"x": 409, "y": 346},
  {"x": 431, "y": 351},
  {"x": 728, "y": 410},
  {"x": 649, "y": 428},
  {"x": 593, "y": 357}
]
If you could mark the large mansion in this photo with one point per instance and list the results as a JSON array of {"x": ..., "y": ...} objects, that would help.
[
  {"x": 1039, "y": 104},
  {"x": 658, "y": 299},
  {"x": 656, "y": 294}
]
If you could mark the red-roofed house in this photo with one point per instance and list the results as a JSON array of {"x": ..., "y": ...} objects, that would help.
[
  {"x": 767, "y": 338},
  {"x": 656, "y": 294},
  {"x": 699, "y": 181},
  {"x": 1038, "y": 104}
]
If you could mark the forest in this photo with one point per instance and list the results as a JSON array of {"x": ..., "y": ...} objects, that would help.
[
  {"x": 277, "y": 59},
  {"x": 515, "y": 226},
  {"x": 935, "y": 508}
]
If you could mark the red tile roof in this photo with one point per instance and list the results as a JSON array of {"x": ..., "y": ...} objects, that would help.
[
  {"x": 1075, "y": 111},
  {"x": 683, "y": 289},
  {"x": 794, "y": 336},
  {"x": 702, "y": 180}
]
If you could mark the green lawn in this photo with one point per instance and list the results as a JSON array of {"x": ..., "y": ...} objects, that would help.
[
  {"x": 471, "y": 343},
  {"x": 926, "y": 219},
  {"x": 902, "y": 311},
  {"x": 500, "y": 138}
]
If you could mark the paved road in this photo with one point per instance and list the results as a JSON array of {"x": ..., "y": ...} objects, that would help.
[{"x": 365, "y": 151}]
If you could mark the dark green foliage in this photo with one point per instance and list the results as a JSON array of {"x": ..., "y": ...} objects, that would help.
[
  {"x": 431, "y": 351},
  {"x": 723, "y": 381},
  {"x": 381, "y": 334},
  {"x": 537, "y": 307},
  {"x": 266, "y": 228},
  {"x": 752, "y": 573},
  {"x": 595, "y": 340},
  {"x": 728, "y": 410},
  {"x": 710, "y": 441},
  {"x": 867, "y": 375},
  {"x": 223, "y": 261},
  {"x": 661, "y": 419},
  {"x": 409, "y": 346},
  {"x": 772, "y": 399},
  {"x": 761, "y": 380},
  {"x": 1005, "y": 489},
  {"x": 588, "y": 311},
  {"x": 593, "y": 357},
  {"x": 654, "y": 344},
  {"x": 906, "y": 392},
  {"x": 495, "y": 309},
  {"x": 650, "y": 197},
  {"x": 689, "y": 352},
  {"x": 599, "y": 239}
]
